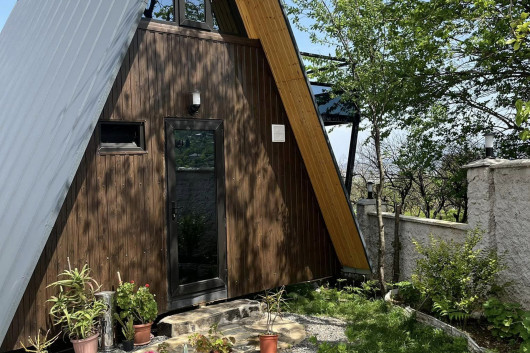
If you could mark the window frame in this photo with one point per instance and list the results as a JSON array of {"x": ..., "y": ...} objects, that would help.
[
  {"x": 112, "y": 148},
  {"x": 183, "y": 21}
]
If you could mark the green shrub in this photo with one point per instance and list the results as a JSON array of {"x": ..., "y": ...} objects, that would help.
[
  {"x": 409, "y": 294},
  {"x": 456, "y": 276},
  {"x": 508, "y": 321},
  {"x": 504, "y": 319}
]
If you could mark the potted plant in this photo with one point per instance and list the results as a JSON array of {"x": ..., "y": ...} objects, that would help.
[
  {"x": 141, "y": 306},
  {"x": 272, "y": 302},
  {"x": 215, "y": 342},
  {"x": 40, "y": 344},
  {"x": 127, "y": 329},
  {"x": 76, "y": 309}
]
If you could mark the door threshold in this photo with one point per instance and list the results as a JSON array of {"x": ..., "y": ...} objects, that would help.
[{"x": 197, "y": 298}]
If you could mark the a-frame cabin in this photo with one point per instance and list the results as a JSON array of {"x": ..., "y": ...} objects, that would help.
[{"x": 109, "y": 160}]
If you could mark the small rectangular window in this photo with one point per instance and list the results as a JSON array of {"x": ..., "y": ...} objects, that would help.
[
  {"x": 118, "y": 136},
  {"x": 196, "y": 13}
]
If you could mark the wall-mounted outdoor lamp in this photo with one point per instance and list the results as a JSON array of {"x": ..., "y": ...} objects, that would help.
[
  {"x": 489, "y": 139},
  {"x": 195, "y": 102},
  {"x": 370, "y": 189}
]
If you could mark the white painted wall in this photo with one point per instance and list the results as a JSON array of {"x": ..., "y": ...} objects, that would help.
[{"x": 499, "y": 203}]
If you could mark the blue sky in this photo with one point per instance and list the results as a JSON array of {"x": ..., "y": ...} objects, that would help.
[
  {"x": 339, "y": 138},
  {"x": 5, "y": 9}
]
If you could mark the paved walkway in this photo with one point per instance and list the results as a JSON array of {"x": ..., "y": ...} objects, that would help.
[
  {"x": 246, "y": 332},
  {"x": 241, "y": 319}
]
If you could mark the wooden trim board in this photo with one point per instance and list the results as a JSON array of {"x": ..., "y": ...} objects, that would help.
[{"x": 264, "y": 20}]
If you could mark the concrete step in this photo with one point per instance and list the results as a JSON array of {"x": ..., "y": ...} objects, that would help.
[{"x": 203, "y": 318}]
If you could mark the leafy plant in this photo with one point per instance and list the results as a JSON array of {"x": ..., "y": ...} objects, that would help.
[
  {"x": 140, "y": 305},
  {"x": 75, "y": 308},
  {"x": 163, "y": 347},
  {"x": 456, "y": 276},
  {"x": 214, "y": 342},
  {"x": 368, "y": 289},
  {"x": 507, "y": 320},
  {"x": 146, "y": 308},
  {"x": 126, "y": 326},
  {"x": 273, "y": 306},
  {"x": 409, "y": 294},
  {"x": 39, "y": 344},
  {"x": 125, "y": 299}
]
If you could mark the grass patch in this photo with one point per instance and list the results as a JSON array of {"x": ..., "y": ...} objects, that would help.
[{"x": 374, "y": 326}]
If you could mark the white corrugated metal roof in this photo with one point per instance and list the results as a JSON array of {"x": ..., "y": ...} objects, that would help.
[{"x": 58, "y": 61}]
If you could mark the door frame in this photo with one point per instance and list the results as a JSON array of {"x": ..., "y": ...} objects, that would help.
[{"x": 210, "y": 289}]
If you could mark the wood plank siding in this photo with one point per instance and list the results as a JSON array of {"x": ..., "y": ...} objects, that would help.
[
  {"x": 264, "y": 20},
  {"x": 114, "y": 216}
]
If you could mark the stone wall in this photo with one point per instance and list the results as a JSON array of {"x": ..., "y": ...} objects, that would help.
[
  {"x": 411, "y": 228},
  {"x": 499, "y": 203},
  {"x": 505, "y": 187}
]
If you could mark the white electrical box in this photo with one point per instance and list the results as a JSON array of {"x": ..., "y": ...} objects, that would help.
[{"x": 278, "y": 133}]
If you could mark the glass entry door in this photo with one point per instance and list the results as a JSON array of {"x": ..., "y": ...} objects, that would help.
[{"x": 196, "y": 211}]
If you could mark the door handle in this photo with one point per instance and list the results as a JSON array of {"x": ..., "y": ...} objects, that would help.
[{"x": 173, "y": 210}]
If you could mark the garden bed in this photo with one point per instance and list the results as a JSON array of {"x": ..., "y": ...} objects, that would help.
[{"x": 372, "y": 325}]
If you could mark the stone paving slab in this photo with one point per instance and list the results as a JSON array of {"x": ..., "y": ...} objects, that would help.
[
  {"x": 242, "y": 319},
  {"x": 246, "y": 332},
  {"x": 204, "y": 317}
]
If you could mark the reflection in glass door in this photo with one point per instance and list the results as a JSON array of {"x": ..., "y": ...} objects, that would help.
[{"x": 196, "y": 232}]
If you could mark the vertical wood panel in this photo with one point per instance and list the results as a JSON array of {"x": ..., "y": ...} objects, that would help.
[{"x": 114, "y": 216}]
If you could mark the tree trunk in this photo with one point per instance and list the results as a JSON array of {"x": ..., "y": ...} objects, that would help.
[
  {"x": 379, "y": 192},
  {"x": 148, "y": 12},
  {"x": 397, "y": 246}
]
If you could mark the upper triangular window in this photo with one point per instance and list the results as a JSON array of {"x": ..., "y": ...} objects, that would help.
[{"x": 212, "y": 15}]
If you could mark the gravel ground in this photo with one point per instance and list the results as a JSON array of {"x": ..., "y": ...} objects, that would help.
[{"x": 325, "y": 329}]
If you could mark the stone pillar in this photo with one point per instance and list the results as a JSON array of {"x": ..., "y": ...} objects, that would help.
[
  {"x": 365, "y": 206},
  {"x": 481, "y": 198}
]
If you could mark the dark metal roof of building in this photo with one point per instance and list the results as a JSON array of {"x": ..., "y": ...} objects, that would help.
[
  {"x": 58, "y": 61},
  {"x": 333, "y": 110}
]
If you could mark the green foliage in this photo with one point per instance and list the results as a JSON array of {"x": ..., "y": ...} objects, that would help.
[
  {"x": 163, "y": 347},
  {"x": 456, "y": 276},
  {"x": 507, "y": 320},
  {"x": 194, "y": 150},
  {"x": 140, "y": 305},
  {"x": 39, "y": 344},
  {"x": 164, "y": 12},
  {"x": 521, "y": 117},
  {"x": 373, "y": 325},
  {"x": 146, "y": 307},
  {"x": 75, "y": 307},
  {"x": 214, "y": 342},
  {"x": 273, "y": 302},
  {"x": 126, "y": 326},
  {"x": 409, "y": 294},
  {"x": 125, "y": 299},
  {"x": 438, "y": 55}
]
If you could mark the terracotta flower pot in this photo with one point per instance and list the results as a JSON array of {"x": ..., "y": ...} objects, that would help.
[
  {"x": 268, "y": 343},
  {"x": 87, "y": 345},
  {"x": 142, "y": 334}
]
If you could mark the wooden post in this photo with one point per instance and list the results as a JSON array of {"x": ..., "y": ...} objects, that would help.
[
  {"x": 397, "y": 246},
  {"x": 352, "y": 151}
]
